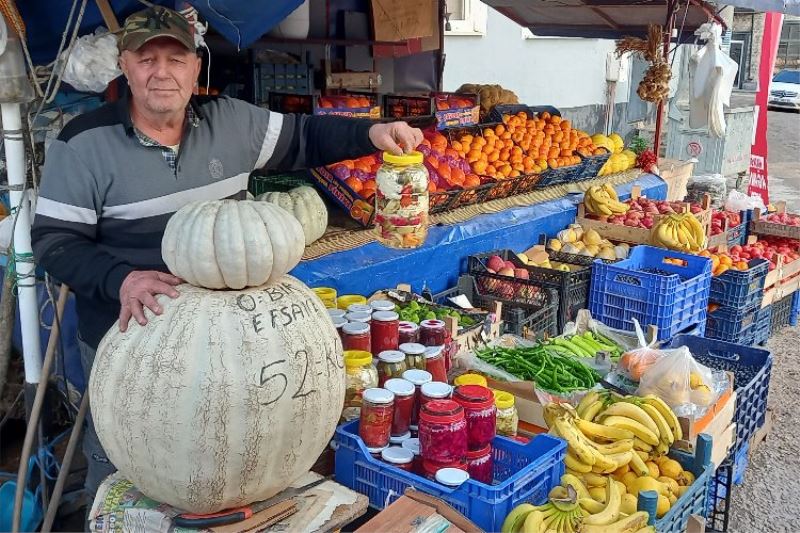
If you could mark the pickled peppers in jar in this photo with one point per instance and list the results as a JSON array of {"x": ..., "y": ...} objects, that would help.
[{"x": 401, "y": 210}]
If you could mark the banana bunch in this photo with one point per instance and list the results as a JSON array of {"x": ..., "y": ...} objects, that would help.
[
  {"x": 681, "y": 232},
  {"x": 603, "y": 200}
]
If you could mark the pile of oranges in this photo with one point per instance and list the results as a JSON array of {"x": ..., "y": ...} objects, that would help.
[
  {"x": 523, "y": 145},
  {"x": 722, "y": 262}
]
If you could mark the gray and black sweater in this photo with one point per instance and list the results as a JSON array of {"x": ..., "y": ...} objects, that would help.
[{"x": 105, "y": 198}]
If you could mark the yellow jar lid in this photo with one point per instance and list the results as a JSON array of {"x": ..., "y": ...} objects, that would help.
[
  {"x": 503, "y": 399},
  {"x": 470, "y": 379},
  {"x": 324, "y": 291},
  {"x": 356, "y": 358},
  {"x": 346, "y": 300},
  {"x": 412, "y": 158}
]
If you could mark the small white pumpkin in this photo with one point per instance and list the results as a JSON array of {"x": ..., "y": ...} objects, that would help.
[
  {"x": 231, "y": 244},
  {"x": 306, "y": 206},
  {"x": 224, "y": 399}
]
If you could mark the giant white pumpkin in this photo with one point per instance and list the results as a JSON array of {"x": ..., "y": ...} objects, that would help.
[
  {"x": 232, "y": 244},
  {"x": 224, "y": 399},
  {"x": 306, "y": 206}
]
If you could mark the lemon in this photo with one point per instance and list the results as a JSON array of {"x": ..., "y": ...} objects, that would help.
[
  {"x": 629, "y": 504},
  {"x": 671, "y": 468},
  {"x": 653, "y": 468},
  {"x": 671, "y": 484},
  {"x": 598, "y": 494},
  {"x": 663, "y": 506}
]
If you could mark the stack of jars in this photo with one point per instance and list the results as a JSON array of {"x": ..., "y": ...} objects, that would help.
[{"x": 373, "y": 328}]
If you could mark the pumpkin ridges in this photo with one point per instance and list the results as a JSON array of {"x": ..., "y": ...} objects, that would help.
[
  {"x": 229, "y": 246},
  {"x": 281, "y": 226},
  {"x": 259, "y": 258},
  {"x": 306, "y": 205}
]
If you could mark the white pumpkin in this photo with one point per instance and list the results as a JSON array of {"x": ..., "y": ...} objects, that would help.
[
  {"x": 306, "y": 206},
  {"x": 231, "y": 244},
  {"x": 224, "y": 399}
]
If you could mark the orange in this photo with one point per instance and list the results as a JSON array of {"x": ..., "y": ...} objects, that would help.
[
  {"x": 514, "y": 174},
  {"x": 500, "y": 129},
  {"x": 488, "y": 132},
  {"x": 505, "y": 154},
  {"x": 472, "y": 181},
  {"x": 722, "y": 269},
  {"x": 566, "y": 124},
  {"x": 479, "y": 167},
  {"x": 491, "y": 170},
  {"x": 725, "y": 260},
  {"x": 354, "y": 183},
  {"x": 552, "y": 163},
  {"x": 741, "y": 265},
  {"x": 555, "y": 119},
  {"x": 558, "y": 137},
  {"x": 494, "y": 156},
  {"x": 553, "y": 153},
  {"x": 444, "y": 171},
  {"x": 706, "y": 253},
  {"x": 544, "y": 115},
  {"x": 457, "y": 146},
  {"x": 473, "y": 156},
  {"x": 457, "y": 175}
]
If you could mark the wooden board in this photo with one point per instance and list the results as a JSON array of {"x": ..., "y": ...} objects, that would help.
[
  {"x": 715, "y": 421},
  {"x": 316, "y": 502}
]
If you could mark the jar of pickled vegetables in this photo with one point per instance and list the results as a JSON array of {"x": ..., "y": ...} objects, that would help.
[
  {"x": 418, "y": 378},
  {"x": 391, "y": 364},
  {"x": 337, "y": 313},
  {"x": 401, "y": 211},
  {"x": 415, "y": 355},
  {"x": 375, "y": 423},
  {"x": 470, "y": 379},
  {"x": 399, "y": 457},
  {"x": 382, "y": 305},
  {"x": 435, "y": 390},
  {"x": 507, "y": 416},
  {"x": 355, "y": 336},
  {"x": 435, "y": 363},
  {"x": 432, "y": 332},
  {"x": 403, "y": 391},
  {"x": 442, "y": 431},
  {"x": 338, "y": 323},
  {"x": 359, "y": 308},
  {"x": 360, "y": 375},
  {"x": 385, "y": 331},
  {"x": 451, "y": 477},
  {"x": 409, "y": 332},
  {"x": 480, "y": 413},
  {"x": 480, "y": 464},
  {"x": 412, "y": 445}
]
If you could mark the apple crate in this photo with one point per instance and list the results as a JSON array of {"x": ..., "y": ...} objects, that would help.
[
  {"x": 640, "y": 232},
  {"x": 729, "y": 235},
  {"x": 778, "y": 224},
  {"x": 569, "y": 280}
]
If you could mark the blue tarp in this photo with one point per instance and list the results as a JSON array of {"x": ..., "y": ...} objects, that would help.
[{"x": 239, "y": 21}]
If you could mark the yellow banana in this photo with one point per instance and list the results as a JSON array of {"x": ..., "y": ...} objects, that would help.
[
  {"x": 667, "y": 413},
  {"x": 595, "y": 480},
  {"x": 533, "y": 522},
  {"x": 632, "y": 411},
  {"x": 638, "y": 466},
  {"x": 665, "y": 432},
  {"x": 629, "y": 524},
  {"x": 603, "y": 464},
  {"x": 633, "y": 426},
  {"x": 575, "y": 483},
  {"x": 610, "y": 513},
  {"x": 592, "y": 411},
  {"x": 576, "y": 441},
  {"x": 591, "y": 505},
  {"x": 697, "y": 229},
  {"x": 648, "y": 529},
  {"x": 662, "y": 448},
  {"x": 588, "y": 399},
  {"x": 612, "y": 193},
  {"x": 644, "y": 456},
  {"x": 639, "y": 444},
  {"x": 596, "y": 431},
  {"x": 623, "y": 445},
  {"x": 516, "y": 517},
  {"x": 576, "y": 464}
]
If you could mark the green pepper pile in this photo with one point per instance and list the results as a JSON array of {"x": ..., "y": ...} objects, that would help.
[
  {"x": 587, "y": 345},
  {"x": 416, "y": 312},
  {"x": 550, "y": 371}
]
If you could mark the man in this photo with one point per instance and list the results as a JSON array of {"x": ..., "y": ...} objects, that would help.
[{"x": 115, "y": 176}]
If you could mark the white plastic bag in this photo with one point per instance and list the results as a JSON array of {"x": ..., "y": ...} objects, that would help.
[
  {"x": 738, "y": 201},
  {"x": 93, "y": 62},
  {"x": 678, "y": 379},
  {"x": 712, "y": 72}
]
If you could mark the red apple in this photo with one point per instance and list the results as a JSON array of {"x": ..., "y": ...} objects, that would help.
[
  {"x": 509, "y": 264},
  {"x": 506, "y": 272},
  {"x": 647, "y": 222},
  {"x": 521, "y": 273},
  {"x": 495, "y": 263}
]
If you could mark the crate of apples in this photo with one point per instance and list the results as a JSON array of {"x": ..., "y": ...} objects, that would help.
[{"x": 723, "y": 220}]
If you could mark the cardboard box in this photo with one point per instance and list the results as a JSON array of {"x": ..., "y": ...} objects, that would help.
[
  {"x": 358, "y": 208},
  {"x": 530, "y": 410},
  {"x": 411, "y": 510},
  {"x": 721, "y": 428},
  {"x": 348, "y": 105},
  {"x": 454, "y": 110},
  {"x": 717, "y": 418}
]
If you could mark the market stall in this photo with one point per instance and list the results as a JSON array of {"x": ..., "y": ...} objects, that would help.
[{"x": 479, "y": 324}]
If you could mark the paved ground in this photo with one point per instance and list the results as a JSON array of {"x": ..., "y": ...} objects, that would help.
[{"x": 767, "y": 501}]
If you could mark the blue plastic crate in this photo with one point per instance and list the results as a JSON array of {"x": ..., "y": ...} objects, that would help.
[
  {"x": 719, "y": 497},
  {"x": 694, "y": 500},
  {"x": 737, "y": 288},
  {"x": 740, "y": 461},
  {"x": 763, "y": 325},
  {"x": 524, "y": 473},
  {"x": 737, "y": 235},
  {"x": 795, "y": 309},
  {"x": 781, "y": 313},
  {"x": 751, "y": 367},
  {"x": 669, "y": 296},
  {"x": 732, "y": 325}
]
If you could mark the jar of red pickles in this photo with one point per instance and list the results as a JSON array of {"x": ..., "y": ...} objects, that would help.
[
  {"x": 480, "y": 413},
  {"x": 391, "y": 364},
  {"x": 399, "y": 457},
  {"x": 382, "y": 305},
  {"x": 418, "y": 378},
  {"x": 435, "y": 390},
  {"x": 356, "y": 336},
  {"x": 403, "y": 405},
  {"x": 442, "y": 431},
  {"x": 434, "y": 363},
  {"x": 415, "y": 355},
  {"x": 377, "y": 412},
  {"x": 385, "y": 331},
  {"x": 480, "y": 464},
  {"x": 359, "y": 317},
  {"x": 432, "y": 332},
  {"x": 429, "y": 468},
  {"x": 409, "y": 332}
]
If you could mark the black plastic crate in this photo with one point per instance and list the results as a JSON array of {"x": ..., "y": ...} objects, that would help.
[
  {"x": 572, "y": 286},
  {"x": 534, "y": 320},
  {"x": 719, "y": 497},
  {"x": 591, "y": 165},
  {"x": 781, "y": 313}
]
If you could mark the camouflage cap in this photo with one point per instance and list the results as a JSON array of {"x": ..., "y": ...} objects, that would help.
[{"x": 154, "y": 22}]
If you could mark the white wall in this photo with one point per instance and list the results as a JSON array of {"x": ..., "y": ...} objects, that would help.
[{"x": 541, "y": 71}]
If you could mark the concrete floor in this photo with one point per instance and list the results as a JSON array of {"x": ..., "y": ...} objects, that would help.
[{"x": 783, "y": 161}]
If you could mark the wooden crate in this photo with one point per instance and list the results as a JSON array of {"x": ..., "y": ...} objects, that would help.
[
  {"x": 759, "y": 226},
  {"x": 620, "y": 233},
  {"x": 677, "y": 174},
  {"x": 717, "y": 423}
]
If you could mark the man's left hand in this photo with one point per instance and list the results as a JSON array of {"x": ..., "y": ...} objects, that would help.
[{"x": 395, "y": 137}]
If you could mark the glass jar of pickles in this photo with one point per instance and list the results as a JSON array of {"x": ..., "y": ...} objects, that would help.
[
  {"x": 361, "y": 375},
  {"x": 415, "y": 355},
  {"x": 391, "y": 364},
  {"x": 507, "y": 416},
  {"x": 327, "y": 295},
  {"x": 401, "y": 211}
]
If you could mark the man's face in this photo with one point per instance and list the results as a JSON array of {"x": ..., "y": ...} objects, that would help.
[{"x": 161, "y": 74}]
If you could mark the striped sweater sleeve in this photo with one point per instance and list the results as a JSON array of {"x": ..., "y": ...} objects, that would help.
[{"x": 65, "y": 228}]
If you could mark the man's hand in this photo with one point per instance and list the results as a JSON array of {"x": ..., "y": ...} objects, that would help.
[
  {"x": 140, "y": 289},
  {"x": 390, "y": 137}
]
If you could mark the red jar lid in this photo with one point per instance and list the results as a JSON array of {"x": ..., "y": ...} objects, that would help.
[
  {"x": 432, "y": 323},
  {"x": 441, "y": 411},
  {"x": 477, "y": 454},
  {"x": 474, "y": 396}
]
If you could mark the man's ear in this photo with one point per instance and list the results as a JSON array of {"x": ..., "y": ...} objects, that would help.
[{"x": 123, "y": 63}]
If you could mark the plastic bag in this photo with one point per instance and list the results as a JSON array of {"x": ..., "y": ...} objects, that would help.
[
  {"x": 93, "y": 62},
  {"x": 678, "y": 379},
  {"x": 738, "y": 201},
  {"x": 715, "y": 185},
  {"x": 712, "y": 73}
]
